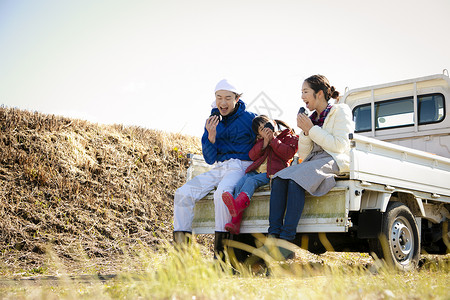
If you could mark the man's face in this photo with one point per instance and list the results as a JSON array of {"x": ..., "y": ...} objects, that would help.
[{"x": 226, "y": 102}]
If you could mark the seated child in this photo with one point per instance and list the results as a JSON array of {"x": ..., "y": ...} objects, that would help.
[{"x": 272, "y": 152}]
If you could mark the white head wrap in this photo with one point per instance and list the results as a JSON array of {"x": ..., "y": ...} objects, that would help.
[{"x": 224, "y": 85}]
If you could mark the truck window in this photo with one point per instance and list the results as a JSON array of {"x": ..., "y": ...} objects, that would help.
[
  {"x": 394, "y": 113},
  {"x": 431, "y": 109},
  {"x": 400, "y": 112}
]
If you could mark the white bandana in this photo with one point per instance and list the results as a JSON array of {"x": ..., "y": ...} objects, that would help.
[{"x": 224, "y": 85}]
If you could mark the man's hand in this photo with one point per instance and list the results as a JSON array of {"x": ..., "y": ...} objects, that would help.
[{"x": 211, "y": 125}]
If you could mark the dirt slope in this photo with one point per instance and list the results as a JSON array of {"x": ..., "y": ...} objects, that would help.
[{"x": 69, "y": 187}]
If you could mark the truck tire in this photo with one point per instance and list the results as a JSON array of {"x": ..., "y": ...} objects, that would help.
[
  {"x": 246, "y": 238},
  {"x": 399, "y": 243}
]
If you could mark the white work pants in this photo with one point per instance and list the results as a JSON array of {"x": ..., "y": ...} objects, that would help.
[{"x": 224, "y": 176}]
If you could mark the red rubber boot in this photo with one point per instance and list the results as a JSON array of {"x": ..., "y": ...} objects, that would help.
[
  {"x": 235, "y": 226},
  {"x": 236, "y": 206}
]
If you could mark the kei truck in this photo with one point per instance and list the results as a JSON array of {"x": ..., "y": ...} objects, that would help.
[{"x": 395, "y": 200}]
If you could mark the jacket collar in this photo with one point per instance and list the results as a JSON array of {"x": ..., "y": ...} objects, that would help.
[
  {"x": 283, "y": 133},
  {"x": 235, "y": 114}
]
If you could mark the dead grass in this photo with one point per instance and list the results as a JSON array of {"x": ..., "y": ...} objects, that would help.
[
  {"x": 77, "y": 197},
  {"x": 84, "y": 189}
]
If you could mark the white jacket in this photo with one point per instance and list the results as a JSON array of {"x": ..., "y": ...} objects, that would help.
[{"x": 332, "y": 137}]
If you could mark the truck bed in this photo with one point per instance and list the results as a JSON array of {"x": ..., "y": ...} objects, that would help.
[
  {"x": 375, "y": 165},
  {"x": 331, "y": 217},
  {"x": 394, "y": 166}
]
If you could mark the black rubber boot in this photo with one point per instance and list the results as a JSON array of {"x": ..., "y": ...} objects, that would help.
[
  {"x": 287, "y": 253},
  {"x": 181, "y": 237},
  {"x": 220, "y": 243}
]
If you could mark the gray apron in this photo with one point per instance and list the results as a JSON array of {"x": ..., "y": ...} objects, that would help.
[{"x": 316, "y": 173}]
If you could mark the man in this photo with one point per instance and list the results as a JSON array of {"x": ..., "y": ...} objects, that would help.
[{"x": 227, "y": 139}]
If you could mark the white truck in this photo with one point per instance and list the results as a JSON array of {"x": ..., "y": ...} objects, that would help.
[{"x": 395, "y": 201}]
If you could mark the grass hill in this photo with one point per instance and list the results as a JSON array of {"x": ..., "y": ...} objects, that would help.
[{"x": 84, "y": 191}]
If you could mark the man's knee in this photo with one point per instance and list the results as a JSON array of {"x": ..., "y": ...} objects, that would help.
[
  {"x": 183, "y": 197},
  {"x": 179, "y": 193}
]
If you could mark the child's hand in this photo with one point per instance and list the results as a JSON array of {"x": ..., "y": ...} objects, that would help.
[
  {"x": 211, "y": 125},
  {"x": 267, "y": 135}
]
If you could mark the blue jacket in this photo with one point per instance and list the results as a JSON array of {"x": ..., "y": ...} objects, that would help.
[{"x": 234, "y": 137}]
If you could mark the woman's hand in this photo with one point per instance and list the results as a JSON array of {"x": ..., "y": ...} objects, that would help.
[
  {"x": 211, "y": 125},
  {"x": 268, "y": 136},
  {"x": 304, "y": 123}
]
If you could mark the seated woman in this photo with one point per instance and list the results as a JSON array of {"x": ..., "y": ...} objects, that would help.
[{"x": 324, "y": 148}]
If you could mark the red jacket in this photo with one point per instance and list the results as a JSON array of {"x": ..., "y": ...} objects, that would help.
[{"x": 279, "y": 152}]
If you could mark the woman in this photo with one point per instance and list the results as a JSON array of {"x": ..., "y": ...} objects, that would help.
[{"x": 324, "y": 148}]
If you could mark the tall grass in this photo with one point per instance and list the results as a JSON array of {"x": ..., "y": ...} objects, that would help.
[
  {"x": 186, "y": 272},
  {"x": 81, "y": 198}
]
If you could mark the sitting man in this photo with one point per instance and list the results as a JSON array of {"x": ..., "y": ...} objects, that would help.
[{"x": 226, "y": 142}]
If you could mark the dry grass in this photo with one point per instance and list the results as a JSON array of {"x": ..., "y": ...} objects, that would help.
[
  {"x": 81, "y": 198},
  {"x": 77, "y": 187},
  {"x": 187, "y": 273}
]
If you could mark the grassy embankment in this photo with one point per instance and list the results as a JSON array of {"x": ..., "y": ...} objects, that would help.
[
  {"x": 80, "y": 198},
  {"x": 83, "y": 190}
]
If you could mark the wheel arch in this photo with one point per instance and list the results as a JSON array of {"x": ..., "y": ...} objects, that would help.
[
  {"x": 414, "y": 203},
  {"x": 374, "y": 205},
  {"x": 379, "y": 200}
]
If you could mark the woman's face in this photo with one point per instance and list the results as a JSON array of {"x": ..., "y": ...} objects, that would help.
[
  {"x": 226, "y": 102},
  {"x": 309, "y": 96}
]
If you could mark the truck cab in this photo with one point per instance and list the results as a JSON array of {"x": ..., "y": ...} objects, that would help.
[{"x": 410, "y": 113}]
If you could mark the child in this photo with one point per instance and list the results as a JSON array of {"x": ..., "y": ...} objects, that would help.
[{"x": 272, "y": 152}]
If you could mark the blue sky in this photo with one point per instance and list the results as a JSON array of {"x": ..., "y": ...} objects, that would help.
[{"x": 154, "y": 64}]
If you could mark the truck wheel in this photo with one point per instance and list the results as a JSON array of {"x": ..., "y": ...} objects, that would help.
[
  {"x": 399, "y": 243},
  {"x": 246, "y": 238}
]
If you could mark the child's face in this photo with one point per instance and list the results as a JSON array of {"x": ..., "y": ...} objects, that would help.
[
  {"x": 261, "y": 128},
  {"x": 226, "y": 102}
]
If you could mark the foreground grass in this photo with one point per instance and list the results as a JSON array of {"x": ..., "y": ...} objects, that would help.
[{"x": 189, "y": 274}]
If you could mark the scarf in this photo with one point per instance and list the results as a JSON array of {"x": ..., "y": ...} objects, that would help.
[{"x": 322, "y": 116}]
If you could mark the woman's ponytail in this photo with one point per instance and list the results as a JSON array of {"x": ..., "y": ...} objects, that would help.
[{"x": 333, "y": 93}]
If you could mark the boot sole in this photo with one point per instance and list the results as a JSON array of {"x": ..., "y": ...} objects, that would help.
[
  {"x": 231, "y": 229},
  {"x": 229, "y": 202}
]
